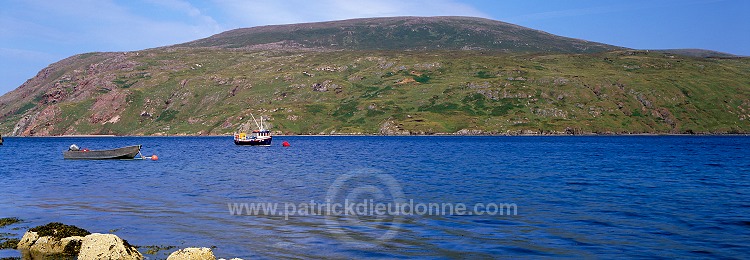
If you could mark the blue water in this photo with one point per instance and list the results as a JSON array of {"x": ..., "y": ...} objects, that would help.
[{"x": 633, "y": 196}]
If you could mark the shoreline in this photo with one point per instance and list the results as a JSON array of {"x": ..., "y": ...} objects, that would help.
[
  {"x": 414, "y": 135},
  {"x": 14, "y": 243}
]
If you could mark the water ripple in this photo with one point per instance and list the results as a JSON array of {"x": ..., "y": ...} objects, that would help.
[{"x": 577, "y": 197}]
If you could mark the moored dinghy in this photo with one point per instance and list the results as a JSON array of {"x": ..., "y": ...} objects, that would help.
[{"x": 128, "y": 152}]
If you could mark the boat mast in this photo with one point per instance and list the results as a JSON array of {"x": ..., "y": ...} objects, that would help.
[{"x": 260, "y": 126}]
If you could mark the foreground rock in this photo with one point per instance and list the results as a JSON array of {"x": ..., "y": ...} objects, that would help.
[
  {"x": 192, "y": 253},
  {"x": 107, "y": 246},
  {"x": 54, "y": 240},
  {"x": 59, "y": 241}
]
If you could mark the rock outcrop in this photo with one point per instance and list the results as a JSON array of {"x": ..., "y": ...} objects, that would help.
[
  {"x": 470, "y": 132},
  {"x": 192, "y": 253},
  {"x": 325, "y": 86},
  {"x": 55, "y": 240},
  {"x": 59, "y": 241},
  {"x": 28, "y": 239},
  {"x": 107, "y": 246},
  {"x": 390, "y": 127}
]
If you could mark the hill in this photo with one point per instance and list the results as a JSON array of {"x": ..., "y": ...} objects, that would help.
[
  {"x": 312, "y": 79},
  {"x": 400, "y": 33}
]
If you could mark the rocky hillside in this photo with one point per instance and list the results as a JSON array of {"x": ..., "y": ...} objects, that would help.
[{"x": 405, "y": 75}]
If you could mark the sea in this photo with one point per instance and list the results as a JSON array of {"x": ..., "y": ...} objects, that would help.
[{"x": 429, "y": 197}]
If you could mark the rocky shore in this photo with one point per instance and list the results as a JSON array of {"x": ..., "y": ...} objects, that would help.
[{"x": 60, "y": 241}]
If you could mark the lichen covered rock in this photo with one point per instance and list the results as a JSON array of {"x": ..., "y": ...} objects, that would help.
[
  {"x": 54, "y": 240},
  {"x": 192, "y": 253},
  {"x": 107, "y": 246},
  {"x": 28, "y": 239}
]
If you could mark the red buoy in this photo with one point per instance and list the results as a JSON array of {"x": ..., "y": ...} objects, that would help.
[
  {"x": 154, "y": 157},
  {"x": 285, "y": 144}
]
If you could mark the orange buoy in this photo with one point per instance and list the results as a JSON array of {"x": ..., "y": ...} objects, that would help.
[
  {"x": 154, "y": 157},
  {"x": 285, "y": 144}
]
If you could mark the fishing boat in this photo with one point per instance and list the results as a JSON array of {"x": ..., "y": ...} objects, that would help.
[
  {"x": 128, "y": 152},
  {"x": 260, "y": 136}
]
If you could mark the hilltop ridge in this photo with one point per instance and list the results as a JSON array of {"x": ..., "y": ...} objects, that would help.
[{"x": 400, "y": 33}]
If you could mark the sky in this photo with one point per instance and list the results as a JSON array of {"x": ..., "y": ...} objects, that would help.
[{"x": 36, "y": 33}]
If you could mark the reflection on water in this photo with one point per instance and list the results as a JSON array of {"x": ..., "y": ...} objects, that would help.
[{"x": 576, "y": 196}]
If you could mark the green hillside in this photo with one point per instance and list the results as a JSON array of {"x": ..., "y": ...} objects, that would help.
[{"x": 189, "y": 90}]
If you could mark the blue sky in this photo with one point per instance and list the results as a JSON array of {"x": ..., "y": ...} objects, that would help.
[{"x": 36, "y": 33}]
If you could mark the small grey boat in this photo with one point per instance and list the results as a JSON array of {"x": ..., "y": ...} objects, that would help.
[{"x": 128, "y": 152}]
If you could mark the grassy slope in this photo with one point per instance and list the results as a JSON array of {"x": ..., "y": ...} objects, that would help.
[{"x": 214, "y": 91}]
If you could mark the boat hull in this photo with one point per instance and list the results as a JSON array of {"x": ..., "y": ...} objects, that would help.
[
  {"x": 128, "y": 152},
  {"x": 255, "y": 141}
]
